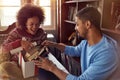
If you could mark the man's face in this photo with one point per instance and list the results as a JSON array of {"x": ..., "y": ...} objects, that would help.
[
  {"x": 81, "y": 28},
  {"x": 32, "y": 25}
]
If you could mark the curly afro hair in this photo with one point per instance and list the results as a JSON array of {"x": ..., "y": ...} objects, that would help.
[{"x": 28, "y": 11}]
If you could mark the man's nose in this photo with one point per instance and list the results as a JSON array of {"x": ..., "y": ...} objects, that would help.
[{"x": 75, "y": 27}]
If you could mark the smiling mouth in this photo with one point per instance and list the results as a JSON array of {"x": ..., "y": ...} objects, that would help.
[{"x": 33, "y": 30}]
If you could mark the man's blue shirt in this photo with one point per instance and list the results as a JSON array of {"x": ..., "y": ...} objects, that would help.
[{"x": 98, "y": 61}]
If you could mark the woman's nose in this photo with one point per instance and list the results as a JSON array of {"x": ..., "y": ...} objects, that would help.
[{"x": 36, "y": 25}]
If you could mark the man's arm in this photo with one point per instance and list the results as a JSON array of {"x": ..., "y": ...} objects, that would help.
[
  {"x": 59, "y": 46},
  {"x": 50, "y": 66},
  {"x": 59, "y": 73}
]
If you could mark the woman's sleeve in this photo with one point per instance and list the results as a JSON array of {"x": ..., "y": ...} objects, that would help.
[
  {"x": 12, "y": 36},
  {"x": 12, "y": 45}
]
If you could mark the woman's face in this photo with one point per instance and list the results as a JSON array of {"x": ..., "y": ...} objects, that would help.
[{"x": 32, "y": 25}]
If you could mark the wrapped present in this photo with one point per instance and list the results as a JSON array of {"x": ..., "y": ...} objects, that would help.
[{"x": 37, "y": 51}]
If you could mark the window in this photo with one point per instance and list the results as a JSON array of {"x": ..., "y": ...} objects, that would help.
[
  {"x": 9, "y": 8},
  {"x": 49, "y": 7},
  {"x": 8, "y": 11}
]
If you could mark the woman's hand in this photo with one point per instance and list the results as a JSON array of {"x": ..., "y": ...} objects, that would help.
[{"x": 26, "y": 45}]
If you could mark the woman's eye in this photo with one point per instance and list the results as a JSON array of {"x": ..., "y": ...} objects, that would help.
[{"x": 31, "y": 24}]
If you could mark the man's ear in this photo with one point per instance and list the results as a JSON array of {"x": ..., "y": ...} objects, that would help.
[{"x": 88, "y": 24}]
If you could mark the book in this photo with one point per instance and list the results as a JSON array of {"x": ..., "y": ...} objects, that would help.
[
  {"x": 74, "y": 14},
  {"x": 71, "y": 12}
]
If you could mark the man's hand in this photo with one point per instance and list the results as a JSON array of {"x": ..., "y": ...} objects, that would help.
[
  {"x": 48, "y": 43},
  {"x": 44, "y": 63},
  {"x": 59, "y": 46}
]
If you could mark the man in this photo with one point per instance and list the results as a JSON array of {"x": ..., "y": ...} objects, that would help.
[{"x": 98, "y": 52}]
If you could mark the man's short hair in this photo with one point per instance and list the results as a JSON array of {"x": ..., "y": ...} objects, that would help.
[{"x": 91, "y": 14}]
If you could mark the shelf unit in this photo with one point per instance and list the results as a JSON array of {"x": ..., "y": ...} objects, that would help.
[
  {"x": 110, "y": 13},
  {"x": 110, "y": 18},
  {"x": 109, "y": 9},
  {"x": 69, "y": 9}
]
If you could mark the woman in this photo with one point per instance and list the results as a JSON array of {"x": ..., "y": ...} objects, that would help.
[{"x": 29, "y": 19}]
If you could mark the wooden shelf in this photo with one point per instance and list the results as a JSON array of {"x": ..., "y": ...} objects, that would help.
[
  {"x": 111, "y": 31},
  {"x": 75, "y": 1},
  {"x": 69, "y": 9},
  {"x": 71, "y": 1},
  {"x": 71, "y": 22},
  {"x": 87, "y": 0}
]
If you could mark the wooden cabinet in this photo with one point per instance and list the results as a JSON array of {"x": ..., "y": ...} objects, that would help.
[
  {"x": 109, "y": 9},
  {"x": 110, "y": 13},
  {"x": 69, "y": 8},
  {"x": 110, "y": 20}
]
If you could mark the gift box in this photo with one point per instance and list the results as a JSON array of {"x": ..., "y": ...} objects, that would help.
[
  {"x": 35, "y": 52},
  {"x": 28, "y": 67}
]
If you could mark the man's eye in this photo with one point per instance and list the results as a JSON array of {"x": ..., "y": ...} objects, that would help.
[{"x": 76, "y": 24}]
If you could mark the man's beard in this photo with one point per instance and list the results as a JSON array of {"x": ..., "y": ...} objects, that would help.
[{"x": 79, "y": 38}]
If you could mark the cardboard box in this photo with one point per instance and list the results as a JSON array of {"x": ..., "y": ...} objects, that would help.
[{"x": 28, "y": 67}]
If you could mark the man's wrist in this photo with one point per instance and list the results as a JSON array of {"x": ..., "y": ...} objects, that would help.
[
  {"x": 52, "y": 68},
  {"x": 55, "y": 44}
]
